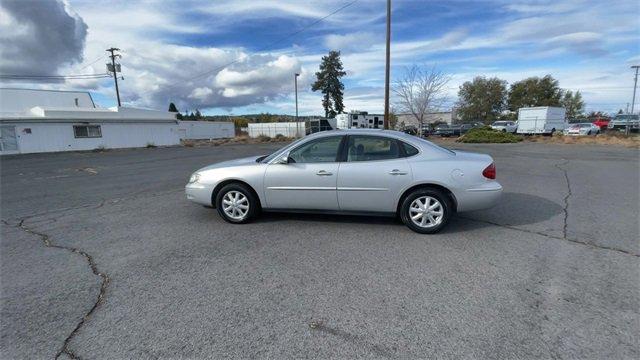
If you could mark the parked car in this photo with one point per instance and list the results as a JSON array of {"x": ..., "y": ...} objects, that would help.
[
  {"x": 352, "y": 171},
  {"x": 582, "y": 129},
  {"x": 441, "y": 129},
  {"x": 410, "y": 129},
  {"x": 621, "y": 121},
  {"x": 458, "y": 130},
  {"x": 505, "y": 126},
  {"x": 602, "y": 123}
]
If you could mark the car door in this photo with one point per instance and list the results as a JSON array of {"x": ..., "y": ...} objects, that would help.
[
  {"x": 373, "y": 173},
  {"x": 308, "y": 179}
]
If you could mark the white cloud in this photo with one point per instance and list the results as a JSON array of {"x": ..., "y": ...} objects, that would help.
[{"x": 355, "y": 41}]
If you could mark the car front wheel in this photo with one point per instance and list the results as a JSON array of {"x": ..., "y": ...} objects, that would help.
[
  {"x": 236, "y": 203},
  {"x": 426, "y": 211}
]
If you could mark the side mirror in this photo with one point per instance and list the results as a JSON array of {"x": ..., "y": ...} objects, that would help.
[{"x": 283, "y": 159}]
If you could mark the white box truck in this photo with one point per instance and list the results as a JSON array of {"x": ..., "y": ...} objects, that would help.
[{"x": 541, "y": 120}]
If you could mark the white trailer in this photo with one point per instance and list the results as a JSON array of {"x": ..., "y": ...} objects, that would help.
[
  {"x": 541, "y": 120},
  {"x": 359, "y": 119}
]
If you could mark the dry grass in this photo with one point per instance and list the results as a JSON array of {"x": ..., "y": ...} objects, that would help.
[
  {"x": 610, "y": 139},
  {"x": 632, "y": 141},
  {"x": 243, "y": 139}
]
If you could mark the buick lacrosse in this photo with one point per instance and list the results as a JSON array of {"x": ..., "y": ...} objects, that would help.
[{"x": 369, "y": 172}]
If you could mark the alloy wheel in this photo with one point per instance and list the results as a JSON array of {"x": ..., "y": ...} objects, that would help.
[
  {"x": 235, "y": 205},
  {"x": 426, "y": 212}
]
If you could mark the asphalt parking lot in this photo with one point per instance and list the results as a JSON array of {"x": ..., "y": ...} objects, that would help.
[{"x": 102, "y": 257}]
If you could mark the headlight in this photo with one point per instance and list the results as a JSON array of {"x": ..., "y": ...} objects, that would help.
[{"x": 194, "y": 178}]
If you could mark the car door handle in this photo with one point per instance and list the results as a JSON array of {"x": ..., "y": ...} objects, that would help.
[
  {"x": 323, "y": 173},
  {"x": 397, "y": 172}
]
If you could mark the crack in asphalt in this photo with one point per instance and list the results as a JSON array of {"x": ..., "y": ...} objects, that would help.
[
  {"x": 565, "y": 210},
  {"x": 46, "y": 240}
]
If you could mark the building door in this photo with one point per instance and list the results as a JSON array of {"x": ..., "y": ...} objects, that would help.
[{"x": 8, "y": 139}]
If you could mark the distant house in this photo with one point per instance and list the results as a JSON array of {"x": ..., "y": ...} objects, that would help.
[
  {"x": 449, "y": 117},
  {"x": 33, "y": 121}
]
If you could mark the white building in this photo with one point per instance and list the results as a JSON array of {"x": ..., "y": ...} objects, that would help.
[
  {"x": 34, "y": 121},
  {"x": 272, "y": 129},
  {"x": 359, "y": 119},
  {"x": 206, "y": 129}
]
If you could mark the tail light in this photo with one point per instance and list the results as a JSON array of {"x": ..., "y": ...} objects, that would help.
[{"x": 490, "y": 171}]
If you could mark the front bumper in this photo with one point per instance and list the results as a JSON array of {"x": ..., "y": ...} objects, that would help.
[{"x": 199, "y": 193}]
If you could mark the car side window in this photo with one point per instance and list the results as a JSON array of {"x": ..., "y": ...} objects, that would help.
[
  {"x": 317, "y": 151},
  {"x": 409, "y": 150},
  {"x": 371, "y": 148}
]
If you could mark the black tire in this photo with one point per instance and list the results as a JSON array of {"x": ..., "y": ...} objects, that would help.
[
  {"x": 589, "y": 133},
  {"x": 442, "y": 198},
  {"x": 254, "y": 203}
]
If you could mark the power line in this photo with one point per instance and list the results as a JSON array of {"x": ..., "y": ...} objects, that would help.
[
  {"x": 274, "y": 42},
  {"x": 93, "y": 62},
  {"x": 53, "y": 77}
]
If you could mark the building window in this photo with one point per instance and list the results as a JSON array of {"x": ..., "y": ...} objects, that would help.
[
  {"x": 87, "y": 131},
  {"x": 355, "y": 117},
  {"x": 375, "y": 118},
  {"x": 370, "y": 121},
  {"x": 355, "y": 124}
]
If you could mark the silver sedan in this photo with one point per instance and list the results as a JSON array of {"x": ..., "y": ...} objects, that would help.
[{"x": 374, "y": 172}]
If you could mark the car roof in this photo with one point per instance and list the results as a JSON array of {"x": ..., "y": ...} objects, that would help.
[{"x": 378, "y": 132}]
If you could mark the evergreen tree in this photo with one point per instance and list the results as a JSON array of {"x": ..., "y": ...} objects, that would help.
[
  {"x": 573, "y": 104},
  {"x": 328, "y": 82}
]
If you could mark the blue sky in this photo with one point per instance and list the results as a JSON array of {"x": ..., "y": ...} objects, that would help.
[{"x": 246, "y": 66}]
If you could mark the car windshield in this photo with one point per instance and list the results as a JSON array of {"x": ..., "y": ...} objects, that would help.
[
  {"x": 626, "y": 117},
  {"x": 499, "y": 123}
]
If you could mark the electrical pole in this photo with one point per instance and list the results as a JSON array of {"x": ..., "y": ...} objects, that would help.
[
  {"x": 387, "y": 67},
  {"x": 295, "y": 81},
  {"x": 633, "y": 101},
  {"x": 113, "y": 67}
]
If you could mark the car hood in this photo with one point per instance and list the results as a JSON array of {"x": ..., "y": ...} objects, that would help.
[{"x": 233, "y": 163}]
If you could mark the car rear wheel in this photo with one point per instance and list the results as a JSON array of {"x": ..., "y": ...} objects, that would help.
[
  {"x": 426, "y": 211},
  {"x": 236, "y": 203}
]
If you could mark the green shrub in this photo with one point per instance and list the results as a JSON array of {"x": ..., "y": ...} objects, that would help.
[
  {"x": 264, "y": 138},
  {"x": 151, "y": 145},
  {"x": 488, "y": 135}
]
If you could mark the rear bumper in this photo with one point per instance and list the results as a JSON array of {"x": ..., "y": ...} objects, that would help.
[
  {"x": 199, "y": 193},
  {"x": 481, "y": 197}
]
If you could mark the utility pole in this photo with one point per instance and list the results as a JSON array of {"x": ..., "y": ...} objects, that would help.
[
  {"x": 387, "y": 67},
  {"x": 633, "y": 101},
  {"x": 115, "y": 70},
  {"x": 295, "y": 81}
]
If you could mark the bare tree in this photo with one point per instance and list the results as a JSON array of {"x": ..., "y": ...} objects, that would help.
[{"x": 421, "y": 91}]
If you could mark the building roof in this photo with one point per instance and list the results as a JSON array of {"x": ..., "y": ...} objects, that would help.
[{"x": 31, "y": 105}]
